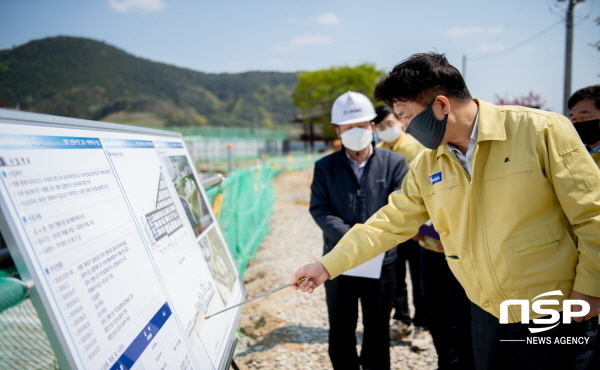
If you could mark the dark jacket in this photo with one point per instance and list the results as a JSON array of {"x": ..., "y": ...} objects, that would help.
[{"x": 338, "y": 201}]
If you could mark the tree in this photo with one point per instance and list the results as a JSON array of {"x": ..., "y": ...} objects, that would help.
[
  {"x": 317, "y": 90},
  {"x": 531, "y": 100}
]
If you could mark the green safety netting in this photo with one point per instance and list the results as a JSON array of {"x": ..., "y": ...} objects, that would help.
[
  {"x": 23, "y": 341},
  {"x": 231, "y": 132},
  {"x": 283, "y": 163},
  {"x": 11, "y": 292},
  {"x": 243, "y": 203},
  {"x": 291, "y": 162}
]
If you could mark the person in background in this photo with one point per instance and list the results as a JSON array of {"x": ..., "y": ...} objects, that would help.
[
  {"x": 349, "y": 186},
  {"x": 516, "y": 201},
  {"x": 584, "y": 106},
  {"x": 435, "y": 286},
  {"x": 390, "y": 132}
]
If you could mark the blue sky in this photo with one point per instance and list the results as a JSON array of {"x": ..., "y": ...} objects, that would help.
[{"x": 303, "y": 35}]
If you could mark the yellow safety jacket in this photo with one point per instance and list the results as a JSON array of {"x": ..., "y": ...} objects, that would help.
[
  {"x": 596, "y": 157},
  {"x": 526, "y": 223},
  {"x": 409, "y": 147},
  {"x": 406, "y": 145}
]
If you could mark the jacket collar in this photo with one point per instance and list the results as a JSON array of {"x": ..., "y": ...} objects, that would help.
[
  {"x": 400, "y": 142},
  {"x": 345, "y": 162},
  {"x": 342, "y": 152},
  {"x": 489, "y": 127},
  {"x": 491, "y": 124}
]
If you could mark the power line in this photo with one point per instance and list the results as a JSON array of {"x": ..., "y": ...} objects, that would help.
[
  {"x": 589, "y": 14},
  {"x": 517, "y": 45},
  {"x": 512, "y": 20}
]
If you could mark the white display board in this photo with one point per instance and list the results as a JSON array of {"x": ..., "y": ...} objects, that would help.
[{"x": 111, "y": 225}]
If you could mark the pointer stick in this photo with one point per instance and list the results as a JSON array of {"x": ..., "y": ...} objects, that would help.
[{"x": 258, "y": 296}]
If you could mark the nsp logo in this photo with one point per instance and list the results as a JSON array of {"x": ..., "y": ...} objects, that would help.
[{"x": 554, "y": 318}]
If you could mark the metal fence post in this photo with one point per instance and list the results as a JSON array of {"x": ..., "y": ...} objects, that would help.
[{"x": 229, "y": 158}]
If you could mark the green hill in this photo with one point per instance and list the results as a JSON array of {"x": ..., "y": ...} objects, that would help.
[{"x": 83, "y": 78}]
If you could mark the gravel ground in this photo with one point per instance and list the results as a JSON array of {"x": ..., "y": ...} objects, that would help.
[{"x": 288, "y": 329}]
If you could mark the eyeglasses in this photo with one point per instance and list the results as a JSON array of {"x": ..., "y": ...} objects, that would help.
[{"x": 384, "y": 125}]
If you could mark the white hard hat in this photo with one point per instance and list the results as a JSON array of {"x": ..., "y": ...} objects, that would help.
[{"x": 352, "y": 107}]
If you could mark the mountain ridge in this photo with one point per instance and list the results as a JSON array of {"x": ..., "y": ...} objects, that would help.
[{"x": 85, "y": 78}]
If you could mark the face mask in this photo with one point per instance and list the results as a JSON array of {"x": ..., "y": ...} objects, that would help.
[
  {"x": 357, "y": 138},
  {"x": 390, "y": 135},
  {"x": 589, "y": 131},
  {"x": 427, "y": 129}
]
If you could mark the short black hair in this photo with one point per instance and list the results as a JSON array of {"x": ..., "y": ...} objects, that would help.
[
  {"x": 586, "y": 93},
  {"x": 420, "y": 78},
  {"x": 382, "y": 112}
]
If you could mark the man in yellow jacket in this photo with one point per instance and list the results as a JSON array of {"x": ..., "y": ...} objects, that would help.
[
  {"x": 432, "y": 281},
  {"x": 390, "y": 131},
  {"x": 515, "y": 198}
]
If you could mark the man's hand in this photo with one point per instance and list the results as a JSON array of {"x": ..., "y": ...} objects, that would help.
[
  {"x": 315, "y": 271},
  {"x": 418, "y": 237},
  {"x": 594, "y": 305}
]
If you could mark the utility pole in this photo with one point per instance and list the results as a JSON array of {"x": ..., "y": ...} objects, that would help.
[
  {"x": 569, "y": 53},
  {"x": 464, "y": 67}
]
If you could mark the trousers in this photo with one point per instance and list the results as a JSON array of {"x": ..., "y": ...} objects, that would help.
[
  {"x": 448, "y": 313},
  {"x": 375, "y": 296},
  {"x": 408, "y": 252}
]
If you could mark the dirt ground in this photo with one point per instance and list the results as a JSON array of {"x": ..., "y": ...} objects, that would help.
[{"x": 289, "y": 329}]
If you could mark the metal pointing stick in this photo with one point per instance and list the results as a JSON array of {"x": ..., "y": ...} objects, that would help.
[{"x": 258, "y": 296}]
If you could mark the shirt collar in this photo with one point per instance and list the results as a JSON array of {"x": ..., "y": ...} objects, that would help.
[
  {"x": 473, "y": 137},
  {"x": 355, "y": 161},
  {"x": 489, "y": 124}
]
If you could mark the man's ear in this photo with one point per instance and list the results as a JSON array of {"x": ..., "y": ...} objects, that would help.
[
  {"x": 441, "y": 106},
  {"x": 337, "y": 131}
]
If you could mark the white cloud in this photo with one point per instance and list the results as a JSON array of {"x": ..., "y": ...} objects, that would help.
[
  {"x": 305, "y": 40},
  {"x": 458, "y": 31},
  {"x": 488, "y": 48},
  {"x": 125, "y": 6},
  {"x": 328, "y": 19}
]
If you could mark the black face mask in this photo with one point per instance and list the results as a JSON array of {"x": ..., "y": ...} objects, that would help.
[
  {"x": 589, "y": 131},
  {"x": 427, "y": 129}
]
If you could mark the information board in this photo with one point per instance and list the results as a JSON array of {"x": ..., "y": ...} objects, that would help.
[{"x": 111, "y": 225}]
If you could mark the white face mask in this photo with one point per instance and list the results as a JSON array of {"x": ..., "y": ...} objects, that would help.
[
  {"x": 357, "y": 138},
  {"x": 390, "y": 135}
]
